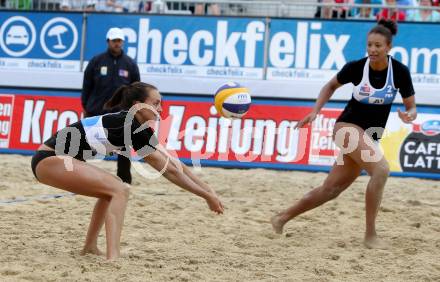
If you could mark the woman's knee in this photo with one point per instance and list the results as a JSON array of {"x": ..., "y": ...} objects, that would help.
[
  {"x": 123, "y": 192},
  {"x": 382, "y": 170},
  {"x": 118, "y": 190}
]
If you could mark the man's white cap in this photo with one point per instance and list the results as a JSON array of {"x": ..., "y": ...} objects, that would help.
[{"x": 115, "y": 33}]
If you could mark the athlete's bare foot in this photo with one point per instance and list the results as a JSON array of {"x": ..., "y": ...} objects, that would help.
[
  {"x": 277, "y": 224},
  {"x": 91, "y": 250},
  {"x": 113, "y": 257},
  {"x": 372, "y": 242}
]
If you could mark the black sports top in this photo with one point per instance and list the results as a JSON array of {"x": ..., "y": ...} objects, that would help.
[
  {"x": 98, "y": 136},
  {"x": 373, "y": 92}
]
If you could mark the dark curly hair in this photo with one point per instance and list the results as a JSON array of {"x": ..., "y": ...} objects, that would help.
[
  {"x": 124, "y": 97},
  {"x": 387, "y": 28}
]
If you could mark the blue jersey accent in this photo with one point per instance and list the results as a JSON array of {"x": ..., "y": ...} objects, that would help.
[
  {"x": 367, "y": 94},
  {"x": 90, "y": 121}
]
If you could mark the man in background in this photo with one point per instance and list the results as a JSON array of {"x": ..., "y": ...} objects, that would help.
[{"x": 104, "y": 74}]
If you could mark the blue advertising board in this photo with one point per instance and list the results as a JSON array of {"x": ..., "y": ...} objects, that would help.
[
  {"x": 315, "y": 50},
  {"x": 185, "y": 46},
  {"x": 212, "y": 47},
  {"x": 46, "y": 41}
]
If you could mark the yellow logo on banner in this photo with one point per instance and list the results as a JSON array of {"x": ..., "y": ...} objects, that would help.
[{"x": 390, "y": 144}]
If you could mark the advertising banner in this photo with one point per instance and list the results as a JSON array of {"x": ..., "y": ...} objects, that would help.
[
  {"x": 6, "y": 106},
  {"x": 34, "y": 118},
  {"x": 192, "y": 130},
  {"x": 40, "y": 41},
  {"x": 266, "y": 136},
  {"x": 212, "y": 47},
  {"x": 322, "y": 148},
  {"x": 414, "y": 148},
  {"x": 185, "y": 46},
  {"x": 313, "y": 50}
]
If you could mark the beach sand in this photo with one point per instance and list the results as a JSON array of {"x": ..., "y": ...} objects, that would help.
[{"x": 170, "y": 234}]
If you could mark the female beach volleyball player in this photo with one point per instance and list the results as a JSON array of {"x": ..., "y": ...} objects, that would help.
[
  {"x": 376, "y": 79},
  {"x": 60, "y": 161}
]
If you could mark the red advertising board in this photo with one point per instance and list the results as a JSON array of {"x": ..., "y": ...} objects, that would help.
[
  {"x": 6, "y": 111},
  {"x": 323, "y": 150},
  {"x": 192, "y": 130},
  {"x": 36, "y": 118},
  {"x": 266, "y": 134}
]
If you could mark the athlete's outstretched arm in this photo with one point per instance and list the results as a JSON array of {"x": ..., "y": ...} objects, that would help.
[
  {"x": 162, "y": 162},
  {"x": 324, "y": 95},
  {"x": 186, "y": 170},
  {"x": 410, "y": 113}
]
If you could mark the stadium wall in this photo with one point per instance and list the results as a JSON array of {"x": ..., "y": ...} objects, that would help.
[
  {"x": 275, "y": 58},
  {"x": 283, "y": 61},
  {"x": 265, "y": 138}
]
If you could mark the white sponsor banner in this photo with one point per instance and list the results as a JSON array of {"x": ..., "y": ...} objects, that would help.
[
  {"x": 215, "y": 72},
  {"x": 429, "y": 80},
  {"x": 432, "y": 80},
  {"x": 299, "y": 74},
  {"x": 39, "y": 64}
]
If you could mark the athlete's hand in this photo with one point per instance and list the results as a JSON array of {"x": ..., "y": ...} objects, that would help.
[
  {"x": 406, "y": 117},
  {"x": 215, "y": 204},
  {"x": 306, "y": 120}
]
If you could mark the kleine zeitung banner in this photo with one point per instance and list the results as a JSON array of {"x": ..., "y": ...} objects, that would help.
[{"x": 265, "y": 137}]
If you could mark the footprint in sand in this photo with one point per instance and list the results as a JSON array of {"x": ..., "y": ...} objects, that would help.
[
  {"x": 410, "y": 251},
  {"x": 384, "y": 209},
  {"x": 357, "y": 267},
  {"x": 414, "y": 202},
  {"x": 332, "y": 257},
  {"x": 341, "y": 244},
  {"x": 323, "y": 272},
  {"x": 10, "y": 272},
  {"x": 271, "y": 235}
]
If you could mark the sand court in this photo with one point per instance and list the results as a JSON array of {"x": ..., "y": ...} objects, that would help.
[{"x": 170, "y": 235}]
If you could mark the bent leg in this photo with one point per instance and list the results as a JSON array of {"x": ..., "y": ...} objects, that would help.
[
  {"x": 88, "y": 180},
  {"x": 373, "y": 199},
  {"x": 370, "y": 158},
  {"x": 339, "y": 179},
  {"x": 96, "y": 223}
]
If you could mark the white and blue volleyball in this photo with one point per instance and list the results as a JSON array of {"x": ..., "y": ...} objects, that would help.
[{"x": 232, "y": 100}]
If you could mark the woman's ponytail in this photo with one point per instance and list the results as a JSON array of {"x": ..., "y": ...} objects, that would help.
[
  {"x": 387, "y": 28},
  {"x": 126, "y": 95},
  {"x": 117, "y": 97}
]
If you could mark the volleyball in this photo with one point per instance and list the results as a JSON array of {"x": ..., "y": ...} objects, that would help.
[{"x": 232, "y": 100}]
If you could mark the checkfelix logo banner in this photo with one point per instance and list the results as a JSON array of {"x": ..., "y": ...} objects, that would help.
[
  {"x": 313, "y": 50},
  {"x": 217, "y": 47},
  {"x": 186, "y": 46}
]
